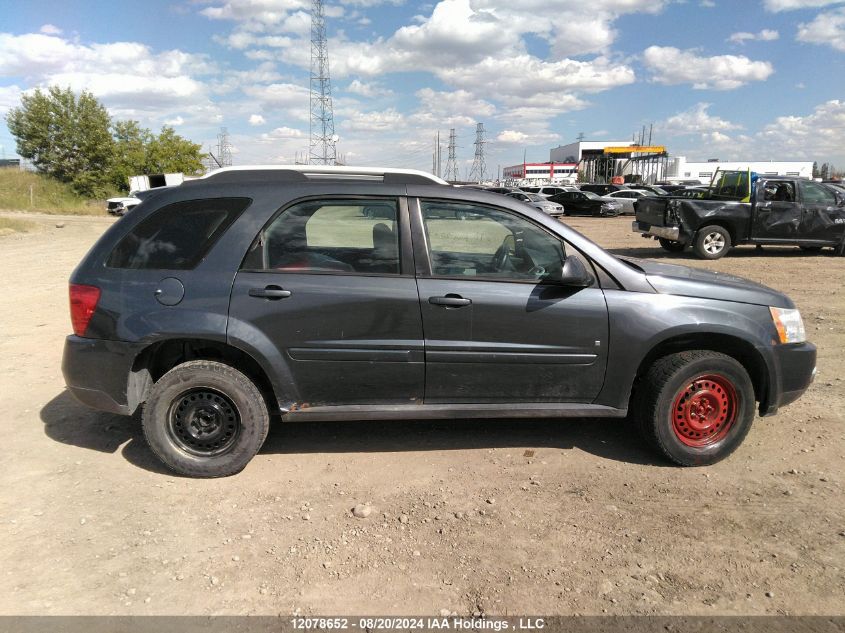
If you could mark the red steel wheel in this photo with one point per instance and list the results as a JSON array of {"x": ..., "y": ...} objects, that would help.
[{"x": 704, "y": 410}]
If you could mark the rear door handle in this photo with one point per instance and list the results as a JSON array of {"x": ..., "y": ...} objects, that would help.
[
  {"x": 450, "y": 301},
  {"x": 269, "y": 292}
]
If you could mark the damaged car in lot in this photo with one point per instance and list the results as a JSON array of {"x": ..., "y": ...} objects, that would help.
[
  {"x": 743, "y": 208},
  {"x": 259, "y": 292},
  {"x": 587, "y": 203}
]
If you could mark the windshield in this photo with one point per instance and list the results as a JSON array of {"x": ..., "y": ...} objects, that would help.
[
  {"x": 591, "y": 195},
  {"x": 534, "y": 197}
]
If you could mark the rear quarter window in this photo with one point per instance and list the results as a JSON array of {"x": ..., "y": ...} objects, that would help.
[{"x": 177, "y": 236}]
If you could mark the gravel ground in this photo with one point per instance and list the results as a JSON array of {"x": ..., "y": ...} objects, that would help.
[{"x": 495, "y": 517}]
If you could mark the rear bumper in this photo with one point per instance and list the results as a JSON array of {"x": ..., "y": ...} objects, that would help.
[
  {"x": 96, "y": 372},
  {"x": 796, "y": 370},
  {"x": 667, "y": 232}
]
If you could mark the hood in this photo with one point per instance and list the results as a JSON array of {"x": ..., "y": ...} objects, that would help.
[{"x": 685, "y": 281}]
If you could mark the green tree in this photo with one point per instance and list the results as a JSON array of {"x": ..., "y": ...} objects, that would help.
[
  {"x": 168, "y": 152},
  {"x": 66, "y": 137},
  {"x": 130, "y": 155},
  {"x": 824, "y": 172}
]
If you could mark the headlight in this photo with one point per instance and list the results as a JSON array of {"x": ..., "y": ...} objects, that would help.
[{"x": 789, "y": 325}]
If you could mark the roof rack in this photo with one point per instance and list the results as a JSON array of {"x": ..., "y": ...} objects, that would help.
[{"x": 301, "y": 173}]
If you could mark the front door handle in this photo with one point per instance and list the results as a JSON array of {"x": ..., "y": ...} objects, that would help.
[
  {"x": 450, "y": 301},
  {"x": 269, "y": 292}
]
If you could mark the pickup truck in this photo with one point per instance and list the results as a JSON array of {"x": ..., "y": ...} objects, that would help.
[{"x": 744, "y": 208}]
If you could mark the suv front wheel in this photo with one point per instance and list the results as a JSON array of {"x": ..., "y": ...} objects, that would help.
[
  {"x": 695, "y": 407},
  {"x": 205, "y": 419}
]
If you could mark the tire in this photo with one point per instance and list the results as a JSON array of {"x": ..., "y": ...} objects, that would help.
[
  {"x": 674, "y": 394},
  {"x": 712, "y": 242},
  {"x": 205, "y": 419},
  {"x": 671, "y": 245}
]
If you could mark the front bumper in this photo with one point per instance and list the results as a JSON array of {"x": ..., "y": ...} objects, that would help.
[
  {"x": 96, "y": 372},
  {"x": 795, "y": 367},
  {"x": 666, "y": 232}
]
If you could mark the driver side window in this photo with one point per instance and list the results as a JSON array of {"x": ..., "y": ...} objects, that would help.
[{"x": 467, "y": 240}]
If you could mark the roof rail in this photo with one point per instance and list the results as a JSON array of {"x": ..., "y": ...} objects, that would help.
[{"x": 300, "y": 173}]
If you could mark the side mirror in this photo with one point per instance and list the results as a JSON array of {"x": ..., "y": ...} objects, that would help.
[{"x": 574, "y": 274}]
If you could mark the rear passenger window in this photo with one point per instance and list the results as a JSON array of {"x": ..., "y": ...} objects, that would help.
[
  {"x": 178, "y": 236},
  {"x": 352, "y": 236}
]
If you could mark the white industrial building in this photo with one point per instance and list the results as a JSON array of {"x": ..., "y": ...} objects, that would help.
[
  {"x": 678, "y": 168},
  {"x": 574, "y": 152}
]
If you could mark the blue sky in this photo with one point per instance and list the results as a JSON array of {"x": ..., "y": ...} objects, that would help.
[{"x": 739, "y": 79}]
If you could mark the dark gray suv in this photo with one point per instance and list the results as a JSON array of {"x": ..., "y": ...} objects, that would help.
[{"x": 308, "y": 293}]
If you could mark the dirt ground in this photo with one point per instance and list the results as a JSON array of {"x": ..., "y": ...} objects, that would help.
[{"x": 496, "y": 517}]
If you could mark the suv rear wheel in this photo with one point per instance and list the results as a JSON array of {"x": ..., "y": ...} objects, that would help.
[
  {"x": 205, "y": 419},
  {"x": 695, "y": 407}
]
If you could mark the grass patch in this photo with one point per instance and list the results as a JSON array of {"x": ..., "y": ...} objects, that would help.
[
  {"x": 12, "y": 225},
  {"x": 29, "y": 191}
]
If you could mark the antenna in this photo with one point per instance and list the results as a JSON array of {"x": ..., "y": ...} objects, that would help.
[
  {"x": 323, "y": 140},
  {"x": 451, "y": 161},
  {"x": 476, "y": 173}
]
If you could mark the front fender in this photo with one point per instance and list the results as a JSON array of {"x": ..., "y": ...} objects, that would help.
[{"x": 640, "y": 323}]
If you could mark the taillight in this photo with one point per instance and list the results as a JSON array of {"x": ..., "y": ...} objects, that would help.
[{"x": 83, "y": 302}]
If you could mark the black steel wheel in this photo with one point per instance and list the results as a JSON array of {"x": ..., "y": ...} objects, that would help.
[
  {"x": 203, "y": 422},
  {"x": 205, "y": 419}
]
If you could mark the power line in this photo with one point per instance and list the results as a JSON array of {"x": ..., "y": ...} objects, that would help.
[{"x": 323, "y": 141}]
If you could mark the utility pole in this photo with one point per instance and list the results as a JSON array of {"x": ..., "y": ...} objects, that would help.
[
  {"x": 477, "y": 172},
  {"x": 436, "y": 156},
  {"x": 322, "y": 139},
  {"x": 451, "y": 161}
]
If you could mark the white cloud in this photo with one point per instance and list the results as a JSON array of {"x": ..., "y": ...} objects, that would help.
[
  {"x": 49, "y": 29},
  {"x": 696, "y": 120},
  {"x": 789, "y": 5},
  {"x": 827, "y": 28},
  {"x": 810, "y": 137},
  {"x": 281, "y": 133},
  {"x": 370, "y": 90},
  {"x": 10, "y": 97},
  {"x": 257, "y": 12},
  {"x": 256, "y": 119},
  {"x": 129, "y": 78},
  {"x": 673, "y": 66},
  {"x": 175, "y": 121},
  {"x": 372, "y": 121},
  {"x": 515, "y": 137},
  {"x": 766, "y": 35},
  {"x": 279, "y": 96}
]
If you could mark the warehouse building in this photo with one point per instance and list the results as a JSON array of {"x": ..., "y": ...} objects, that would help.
[
  {"x": 678, "y": 168},
  {"x": 542, "y": 172}
]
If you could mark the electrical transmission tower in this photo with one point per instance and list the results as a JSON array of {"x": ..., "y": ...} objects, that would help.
[
  {"x": 323, "y": 148},
  {"x": 452, "y": 161},
  {"x": 224, "y": 148},
  {"x": 476, "y": 173}
]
